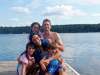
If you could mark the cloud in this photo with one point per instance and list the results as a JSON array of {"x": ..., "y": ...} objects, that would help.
[
  {"x": 14, "y": 19},
  {"x": 63, "y": 10},
  {"x": 34, "y": 4},
  {"x": 96, "y": 14},
  {"x": 20, "y": 9},
  {"x": 90, "y": 1}
]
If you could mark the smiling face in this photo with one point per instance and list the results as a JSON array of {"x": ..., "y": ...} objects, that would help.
[
  {"x": 30, "y": 50},
  {"x": 47, "y": 26},
  {"x": 35, "y": 28},
  {"x": 36, "y": 40}
]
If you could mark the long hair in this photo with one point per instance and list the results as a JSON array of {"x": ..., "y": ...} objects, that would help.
[
  {"x": 34, "y": 23},
  {"x": 26, "y": 50}
]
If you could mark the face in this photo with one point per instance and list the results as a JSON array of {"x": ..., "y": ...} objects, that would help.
[
  {"x": 36, "y": 40},
  {"x": 35, "y": 28},
  {"x": 30, "y": 50},
  {"x": 46, "y": 26}
]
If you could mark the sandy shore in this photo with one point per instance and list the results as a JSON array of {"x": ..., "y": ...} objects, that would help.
[{"x": 8, "y": 67}]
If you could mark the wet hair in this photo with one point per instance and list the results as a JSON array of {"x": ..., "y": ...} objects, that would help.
[
  {"x": 31, "y": 32},
  {"x": 33, "y": 24},
  {"x": 46, "y": 20}
]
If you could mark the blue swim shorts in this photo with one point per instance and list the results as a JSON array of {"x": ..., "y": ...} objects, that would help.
[{"x": 53, "y": 67}]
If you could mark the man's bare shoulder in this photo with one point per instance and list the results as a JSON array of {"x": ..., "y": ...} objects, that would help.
[{"x": 54, "y": 33}]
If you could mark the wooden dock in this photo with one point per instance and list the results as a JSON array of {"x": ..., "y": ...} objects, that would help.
[{"x": 9, "y": 68}]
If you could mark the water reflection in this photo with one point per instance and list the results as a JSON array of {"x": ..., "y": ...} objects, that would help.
[{"x": 82, "y": 52}]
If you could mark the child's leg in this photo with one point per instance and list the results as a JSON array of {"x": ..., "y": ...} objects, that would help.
[
  {"x": 62, "y": 69},
  {"x": 61, "y": 72}
]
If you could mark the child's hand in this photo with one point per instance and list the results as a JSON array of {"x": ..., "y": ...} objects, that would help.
[
  {"x": 32, "y": 59},
  {"x": 46, "y": 61},
  {"x": 56, "y": 53},
  {"x": 43, "y": 67},
  {"x": 30, "y": 63},
  {"x": 61, "y": 60}
]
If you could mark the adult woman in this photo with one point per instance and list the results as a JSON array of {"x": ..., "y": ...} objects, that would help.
[{"x": 35, "y": 28}]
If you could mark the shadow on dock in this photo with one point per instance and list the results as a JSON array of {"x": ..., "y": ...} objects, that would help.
[{"x": 8, "y": 73}]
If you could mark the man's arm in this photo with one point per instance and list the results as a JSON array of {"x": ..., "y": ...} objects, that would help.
[{"x": 59, "y": 43}]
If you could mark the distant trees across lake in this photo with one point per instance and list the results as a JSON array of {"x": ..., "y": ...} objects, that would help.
[
  {"x": 73, "y": 28},
  {"x": 14, "y": 30}
]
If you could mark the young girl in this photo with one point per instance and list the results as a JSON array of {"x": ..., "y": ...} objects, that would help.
[{"x": 26, "y": 60}]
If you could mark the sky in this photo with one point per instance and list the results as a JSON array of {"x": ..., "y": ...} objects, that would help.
[{"x": 24, "y": 12}]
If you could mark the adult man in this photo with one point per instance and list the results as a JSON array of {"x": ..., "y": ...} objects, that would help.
[
  {"x": 55, "y": 41},
  {"x": 53, "y": 36}
]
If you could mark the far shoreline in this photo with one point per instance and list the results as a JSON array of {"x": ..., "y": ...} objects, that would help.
[{"x": 68, "y": 28}]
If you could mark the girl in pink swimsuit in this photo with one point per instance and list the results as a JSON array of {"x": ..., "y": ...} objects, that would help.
[{"x": 26, "y": 60}]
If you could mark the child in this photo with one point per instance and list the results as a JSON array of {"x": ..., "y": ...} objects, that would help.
[
  {"x": 26, "y": 60},
  {"x": 51, "y": 62}
]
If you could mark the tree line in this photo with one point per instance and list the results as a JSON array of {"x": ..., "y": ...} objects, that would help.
[{"x": 73, "y": 28}]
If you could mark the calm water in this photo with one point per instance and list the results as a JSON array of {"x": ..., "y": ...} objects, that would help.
[{"x": 82, "y": 50}]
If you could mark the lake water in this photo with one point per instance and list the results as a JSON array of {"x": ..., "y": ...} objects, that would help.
[{"x": 82, "y": 50}]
